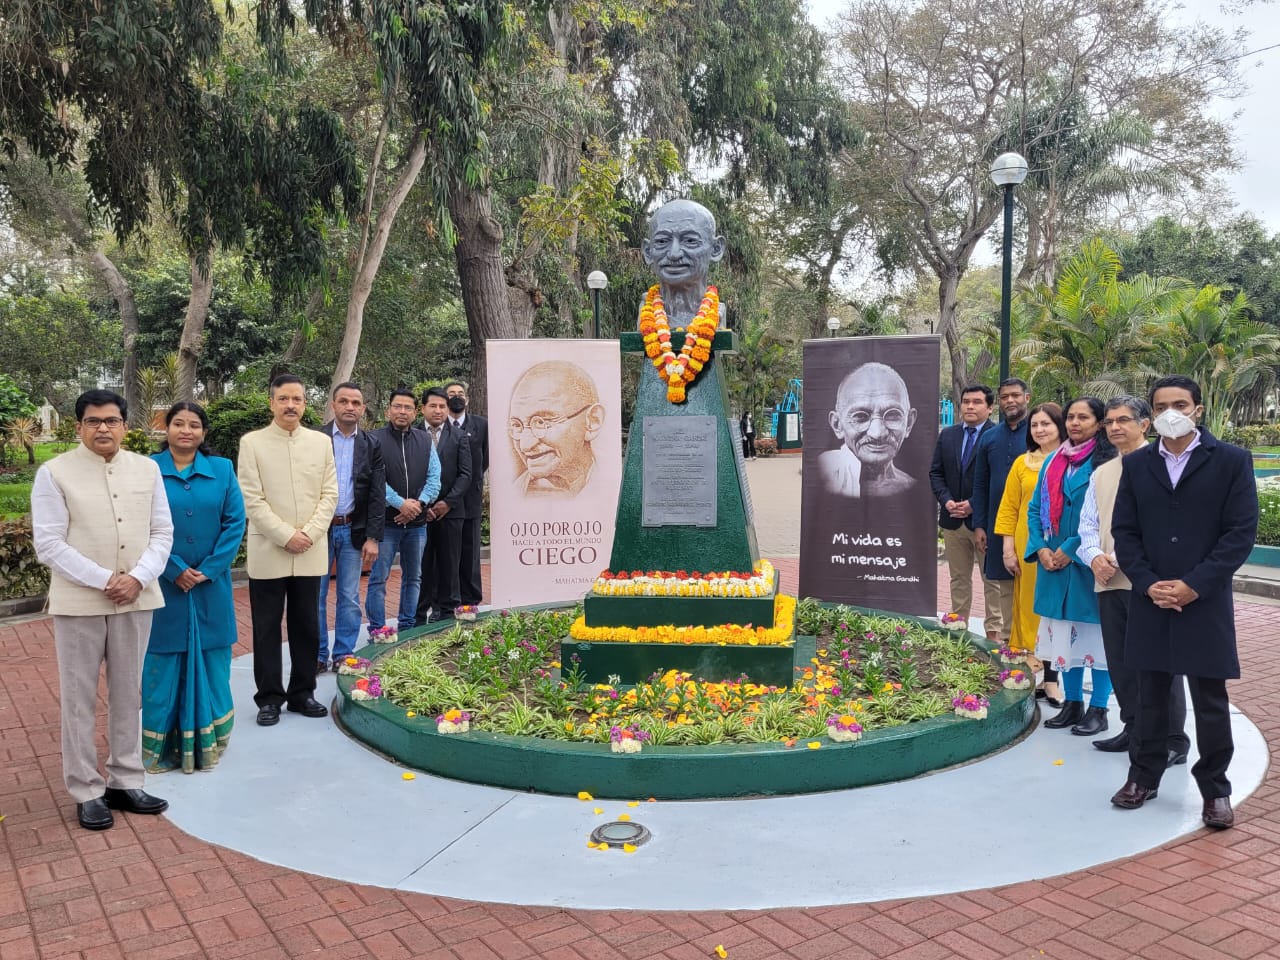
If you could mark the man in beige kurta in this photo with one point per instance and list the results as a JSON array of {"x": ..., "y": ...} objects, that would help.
[
  {"x": 290, "y": 487},
  {"x": 100, "y": 521}
]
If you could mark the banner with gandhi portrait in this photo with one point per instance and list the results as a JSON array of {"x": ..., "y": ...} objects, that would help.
[
  {"x": 555, "y": 465},
  {"x": 868, "y": 520}
]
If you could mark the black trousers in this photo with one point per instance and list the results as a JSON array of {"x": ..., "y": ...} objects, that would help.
[
  {"x": 441, "y": 588},
  {"x": 1213, "y": 732},
  {"x": 470, "y": 585},
  {"x": 748, "y": 445},
  {"x": 1113, "y": 611},
  {"x": 297, "y": 599}
]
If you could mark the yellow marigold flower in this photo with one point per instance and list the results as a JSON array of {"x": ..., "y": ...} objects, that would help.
[
  {"x": 583, "y": 795},
  {"x": 624, "y": 816},
  {"x": 408, "y": 776},
  {"x": 629, "y": 848}
]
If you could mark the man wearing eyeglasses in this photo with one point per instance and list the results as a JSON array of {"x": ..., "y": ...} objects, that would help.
[
  {"x": 873, "y": 416},
  {"x": 100, "y": 521},
  {"x": 555, "y": 413}
]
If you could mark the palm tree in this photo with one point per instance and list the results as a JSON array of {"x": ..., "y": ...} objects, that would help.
[
  {"x": 1091, "y": 331},
  {"x": 1217, "y": 343},
  {"x": 23, "y": 432},
  {"x": 760, "y": 367}
]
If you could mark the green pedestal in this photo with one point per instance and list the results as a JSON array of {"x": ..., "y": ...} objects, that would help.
[
  {"x": 634, "y": 662},
  {"x": 731, "y": 543},
  {"x": 681, "y": 611}
]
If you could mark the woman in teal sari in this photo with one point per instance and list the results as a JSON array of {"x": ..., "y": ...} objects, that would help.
[{"x": 187, "y": 711}]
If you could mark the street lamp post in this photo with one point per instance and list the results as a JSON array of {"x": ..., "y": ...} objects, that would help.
[
  {"x": 833, "y": 324},
  {"x": 1008, "y": 170},
  {"x": 597, "y": 281}
]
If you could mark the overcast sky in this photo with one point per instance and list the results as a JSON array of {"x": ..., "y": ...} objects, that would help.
[{"x": 1256, "y": 186}]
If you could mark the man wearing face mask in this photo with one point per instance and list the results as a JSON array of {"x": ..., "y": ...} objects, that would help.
[
  {"x": 476, "y": 429},
  {"x": 1186, "y": 515}
]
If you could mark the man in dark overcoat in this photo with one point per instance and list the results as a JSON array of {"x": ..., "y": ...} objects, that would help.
[{"x": 1185, "y": 519}]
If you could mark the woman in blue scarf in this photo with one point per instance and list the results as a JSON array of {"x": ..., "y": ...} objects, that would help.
[
  {"x": 187, "y": 711},
  {"x": 1070, "y": 636}
]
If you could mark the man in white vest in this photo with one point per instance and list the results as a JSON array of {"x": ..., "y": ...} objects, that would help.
[
  {"x": 290, "y": 486},
  {"x": 101, "y": 523}
]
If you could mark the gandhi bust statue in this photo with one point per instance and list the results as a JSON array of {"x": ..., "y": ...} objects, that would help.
[{"x": 681, "y": 246}]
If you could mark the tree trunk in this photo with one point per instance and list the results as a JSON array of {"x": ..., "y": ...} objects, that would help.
[
  {"x": 485, "y": 295},
  {"x": 191, "y": 344},
  {"x": 122, "y": 293},
  {"x": 948, "y": 286},
  {"x": 367, "y": 268}
]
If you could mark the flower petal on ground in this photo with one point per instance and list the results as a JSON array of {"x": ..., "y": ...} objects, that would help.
[
  {"x": 629, "y": 848},
  {"x": 583, "y": 795},
  {"x": 408, "y": 776}
]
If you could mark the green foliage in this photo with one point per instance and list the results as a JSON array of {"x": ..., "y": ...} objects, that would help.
[
  {"x": 137, "y": 441},
  {"x": 49, "y": 338},
  {"x": 766, "y": 447},
  {"x": 152, "y": 128},
  {"x": 886, "y": 670},
  {"x": 14, "y": 402},
  {"x": 21, "y": 574},
  {"x": 1254, "y": 436},
  {"x": 65, "y": 432},
  {"x": 1269, "y": 518},
  {"x": 234, "y": 415},
  {"x": 15, "y": 497}
]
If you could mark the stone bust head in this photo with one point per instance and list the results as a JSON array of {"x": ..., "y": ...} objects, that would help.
[{"x": 680, "y": 248}]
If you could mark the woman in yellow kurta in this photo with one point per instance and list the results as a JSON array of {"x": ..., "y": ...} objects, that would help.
[{"x": 1046, "y": 430}]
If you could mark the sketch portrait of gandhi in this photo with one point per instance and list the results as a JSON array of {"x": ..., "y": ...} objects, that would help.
[
  {"x": 554, "y": 414},
  {"x": 872, "y": 417}
]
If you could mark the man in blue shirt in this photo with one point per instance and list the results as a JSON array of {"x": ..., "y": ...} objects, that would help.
[{"x": 357, "y": 523}]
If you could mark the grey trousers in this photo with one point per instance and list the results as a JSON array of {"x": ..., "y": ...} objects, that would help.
[{"x": 83, "y": 644}]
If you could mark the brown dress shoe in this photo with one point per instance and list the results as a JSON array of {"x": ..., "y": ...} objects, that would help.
[
  {"x": 1133, "y": 795},
  {"x": 1218, "y": 814}
]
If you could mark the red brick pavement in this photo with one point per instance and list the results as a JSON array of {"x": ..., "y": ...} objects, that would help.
[{"x": 146, "y": 891}]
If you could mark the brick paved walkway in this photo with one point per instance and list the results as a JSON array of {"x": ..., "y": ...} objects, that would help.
[{"x": 145, "y": 891}]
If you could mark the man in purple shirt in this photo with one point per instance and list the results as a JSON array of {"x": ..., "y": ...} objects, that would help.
[{"x": 1186, "y": 515}]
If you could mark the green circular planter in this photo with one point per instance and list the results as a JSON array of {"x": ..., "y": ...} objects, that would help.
[{"x": 686, "y": 772}]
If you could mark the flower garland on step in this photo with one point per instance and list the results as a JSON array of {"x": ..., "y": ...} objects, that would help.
[{"x": 679, "y": 370}]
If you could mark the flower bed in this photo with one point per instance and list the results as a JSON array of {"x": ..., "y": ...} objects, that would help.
[
  {"x": 504, "y": 672},
  {"x": 680, "y": 583}
]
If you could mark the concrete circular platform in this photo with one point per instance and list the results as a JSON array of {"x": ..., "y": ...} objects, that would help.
[{"x": 303, "y": 795}]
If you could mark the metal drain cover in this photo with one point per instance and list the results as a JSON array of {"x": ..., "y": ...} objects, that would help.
[{"x": 617, "y": 832}]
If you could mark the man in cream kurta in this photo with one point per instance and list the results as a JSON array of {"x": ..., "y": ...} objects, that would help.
[
  {"x": 290, "y": 487},
  {"x": 100, "y": 521}
]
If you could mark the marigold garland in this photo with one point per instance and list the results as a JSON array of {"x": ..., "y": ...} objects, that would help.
[
  {"x": 655, "y": 329},
  {"x": 682, "y": 583},
  {"x": 730, "y": 635}
]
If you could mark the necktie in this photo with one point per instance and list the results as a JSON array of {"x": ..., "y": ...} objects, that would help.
[
  {"x": 457, "y": 423},
  {"x": 967, "y": 452},
  {"x": 435, "y": 437}
]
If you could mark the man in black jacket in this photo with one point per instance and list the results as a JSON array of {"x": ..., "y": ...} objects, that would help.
[
  {"x": 413, "y": 481},
  {"x": 951, "y": 477},
  {"x": 441, "y": 591},
  {"x": 477, "y": 430},
  {"x": 356, "y": 529}
]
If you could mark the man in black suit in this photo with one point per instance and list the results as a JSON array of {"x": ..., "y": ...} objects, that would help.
[
  {"x": 951, "y": 477},
  {"x": 477, "y": 430},
  {"x": 1185, "y": 519},
  {"x": 356, "y": 529},
  {"x": 441, "y": 558}
]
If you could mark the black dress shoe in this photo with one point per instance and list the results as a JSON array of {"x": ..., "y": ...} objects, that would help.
[
  {"x": 1133, "y": 795},
  {"x": 1217, "y": 813},
  {"x": 1176, "y": 757},
  {"x": 322, "y": 666},
  {"x": 1068, "y": 716},
  {"x": 268, "y": 714},
  {"x": 309, "y": 707},
  {"x": 94, "y": 815},
  {"x": 1092, "y": 724},
  {"x": 1117, "y": 744},
  {"x": 440, "y": 615},
  {"x": 134, "y": 801}
]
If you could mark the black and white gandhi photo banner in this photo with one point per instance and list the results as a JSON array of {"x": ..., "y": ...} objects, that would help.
[
  {"x": 868, "y": 520},
  {"x": 555, "y": 464}
]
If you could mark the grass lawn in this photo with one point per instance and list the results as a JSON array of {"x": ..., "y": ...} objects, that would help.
[{"x": 15, "y": 497}]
